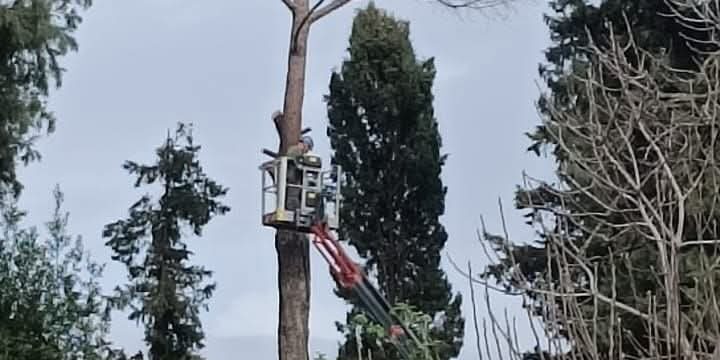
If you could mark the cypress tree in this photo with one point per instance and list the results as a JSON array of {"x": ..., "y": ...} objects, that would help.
[
  {"x": 164, "y": 291},
  {"x": 385, "y": 136}
]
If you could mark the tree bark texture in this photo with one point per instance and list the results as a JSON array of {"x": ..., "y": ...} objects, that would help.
[
  {"x": 293, "y": 250},
  {"x": 291, "y": 125}
]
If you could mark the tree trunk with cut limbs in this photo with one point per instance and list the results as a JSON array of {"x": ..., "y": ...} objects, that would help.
[{"x": 293, "y": 250}]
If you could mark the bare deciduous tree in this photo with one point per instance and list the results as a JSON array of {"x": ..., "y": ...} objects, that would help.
[
  {"x": 472, "y": 4},
  {"x": 633, "y": 243}
]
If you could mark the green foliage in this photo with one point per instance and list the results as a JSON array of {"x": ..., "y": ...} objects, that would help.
[
  {"x": 164, "y": 291},
  {"x": 384, "y": 135},
  {"x": 373, "y": 333},
  {"x": 34, "y": 35},
  {"x": 51, "y": 307}
]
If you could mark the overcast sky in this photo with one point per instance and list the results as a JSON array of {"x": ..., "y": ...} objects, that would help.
[{"x": 144, "y": 65}]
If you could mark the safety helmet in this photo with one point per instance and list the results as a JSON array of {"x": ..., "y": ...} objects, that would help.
[{"x": 307, "y": 140}]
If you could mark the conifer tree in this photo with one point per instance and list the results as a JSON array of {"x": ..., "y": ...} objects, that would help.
[
  {"x": 385, "y": 136},
  {"x": 51, "y": 307},
  {"x": 164, "y": 291},
  {"x": 34, "y": 35}
]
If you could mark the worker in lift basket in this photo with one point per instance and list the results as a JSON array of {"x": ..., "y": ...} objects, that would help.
[
  {"x": 294, "y": 175},
  {"x": 303, "y": 147}
]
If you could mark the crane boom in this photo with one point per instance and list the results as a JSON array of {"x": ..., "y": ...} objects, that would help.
[{"x": 351, "y": 278}]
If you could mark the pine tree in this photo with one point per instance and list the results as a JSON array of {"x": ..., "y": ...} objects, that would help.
[
  {"x": 51, "y": 307},
  {"x": 164, "y": 291},
  {"x": 385, "y": 136},
  {"x": 34, "y": 35}
]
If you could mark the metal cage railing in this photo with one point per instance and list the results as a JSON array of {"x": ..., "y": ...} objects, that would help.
[{"x": 319, "y": 193}]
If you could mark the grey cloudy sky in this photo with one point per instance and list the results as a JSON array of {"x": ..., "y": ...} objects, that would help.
[{"x": 144, "y": 65}]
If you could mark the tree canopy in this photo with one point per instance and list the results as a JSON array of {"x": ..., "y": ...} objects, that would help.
[
  {"x": 35, "y": 35},
  {"x": 51, "y": 305},
  {"x": 385, "y": 136}
]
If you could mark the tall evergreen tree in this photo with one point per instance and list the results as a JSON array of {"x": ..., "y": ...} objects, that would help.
[
  {"x": 164, "y": 291},
  {"x": 573, "y": 26},
  {"x": 51, "y": 307},
  {"x": 385, "y": 136},
  {"x": 34, "y": 35}
]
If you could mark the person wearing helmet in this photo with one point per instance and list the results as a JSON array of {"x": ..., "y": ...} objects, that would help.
[
  {"x": 308, "y": 141},
  {"x": 294, "y": 175},
  {"x": 304, "y": 146}
]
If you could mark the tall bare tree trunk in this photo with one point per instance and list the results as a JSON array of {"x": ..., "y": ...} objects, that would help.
[
  {"x": 293, "y": 250},
  {"x": 294, "y": 286},
  {"x": 294, "y": 84}
]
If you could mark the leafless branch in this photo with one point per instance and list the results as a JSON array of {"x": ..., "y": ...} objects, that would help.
[
  {"x": 327, "y": 9},
  {"x": 290, "y": 4},
  {"x": 304, "y": 22},
  {"x": 638, "y": 203},
  {"x": 474, "y": 313},
  {"x": 473, "y": 4}
]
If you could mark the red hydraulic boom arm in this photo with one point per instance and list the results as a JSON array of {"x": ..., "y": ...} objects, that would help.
[{"x": 351, "y": 278}]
